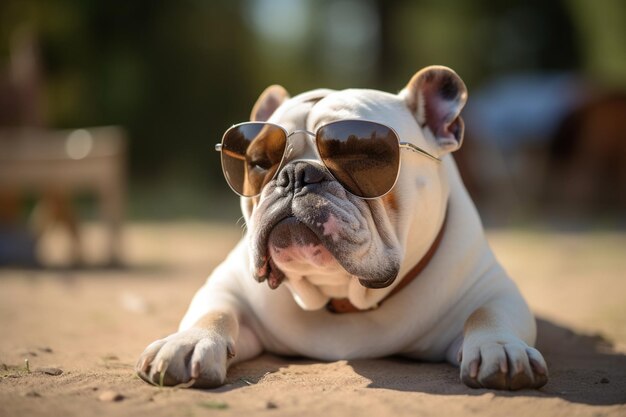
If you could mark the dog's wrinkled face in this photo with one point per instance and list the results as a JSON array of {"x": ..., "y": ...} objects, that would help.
[{"x": 305, "y": 223}]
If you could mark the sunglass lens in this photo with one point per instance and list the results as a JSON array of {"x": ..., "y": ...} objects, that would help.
[
  {"x": 363, "y": 156},
  {"x": 251, "y": 155}
]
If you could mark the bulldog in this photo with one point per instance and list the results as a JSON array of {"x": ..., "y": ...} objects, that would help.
[{"x": 359, "y": 223}]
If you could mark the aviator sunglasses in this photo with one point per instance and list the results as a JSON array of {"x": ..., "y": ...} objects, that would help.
[{"x": 363, "y": 156}]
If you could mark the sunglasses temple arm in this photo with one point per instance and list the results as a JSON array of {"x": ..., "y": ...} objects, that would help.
[
  {"x": 232, "y": 154},
  {"x": 419, "y": 150}
]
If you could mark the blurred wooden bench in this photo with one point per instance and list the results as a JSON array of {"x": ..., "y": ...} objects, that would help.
[{"x": 41, "y": 161}]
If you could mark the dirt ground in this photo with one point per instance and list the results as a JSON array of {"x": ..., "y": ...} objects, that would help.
[{"x": 93, "y": 323}]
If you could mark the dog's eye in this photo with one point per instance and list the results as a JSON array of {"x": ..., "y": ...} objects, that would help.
[{"x": 260, "y": 163}]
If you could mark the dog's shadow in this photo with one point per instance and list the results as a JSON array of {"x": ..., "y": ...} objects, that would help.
[{"x": 583, "y": 369}]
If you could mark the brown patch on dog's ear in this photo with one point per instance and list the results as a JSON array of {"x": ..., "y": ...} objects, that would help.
[
  {"x": 267, "y": 103},
  {"x": 436, "y": 95},
  {"x": 390, "y": 201}
]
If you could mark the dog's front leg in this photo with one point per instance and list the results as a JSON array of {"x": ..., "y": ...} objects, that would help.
[{"x": 497, "y": 347}]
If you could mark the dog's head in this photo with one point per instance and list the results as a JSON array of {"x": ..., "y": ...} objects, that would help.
[{"x": 305, "y": 223}]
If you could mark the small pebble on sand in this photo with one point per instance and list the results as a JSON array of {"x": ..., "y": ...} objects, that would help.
[
  {"x": 111, "y": 396},
  {"x": 50, "y": 371}
]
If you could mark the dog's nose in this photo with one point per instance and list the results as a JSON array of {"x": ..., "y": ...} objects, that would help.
[
  {"x": 299, "y": 174},
  {"x": 309, "y": 173}
]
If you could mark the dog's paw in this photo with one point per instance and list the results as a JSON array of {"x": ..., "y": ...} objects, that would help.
[
  {"x": 509, "y": 366},
  {"x": 194, "y": 357}
]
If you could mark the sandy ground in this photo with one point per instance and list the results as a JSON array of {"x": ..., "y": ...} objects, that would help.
[{"x": 93, "y": 323}]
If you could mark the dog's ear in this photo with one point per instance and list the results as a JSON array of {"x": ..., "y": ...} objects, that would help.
[
  {"x": 268, "y": 102},
  {"x": 436, "y": 95}
]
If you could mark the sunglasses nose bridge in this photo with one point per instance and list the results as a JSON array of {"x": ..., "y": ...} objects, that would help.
[
  {"x": 301, "y": 131},
  {"x": 302, "y": 150}
]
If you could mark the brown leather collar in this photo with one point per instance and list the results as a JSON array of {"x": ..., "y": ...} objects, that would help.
[{"x": 343, "y": 305}]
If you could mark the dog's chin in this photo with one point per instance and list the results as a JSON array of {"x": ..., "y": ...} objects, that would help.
[{"x": 292, "y": 247}]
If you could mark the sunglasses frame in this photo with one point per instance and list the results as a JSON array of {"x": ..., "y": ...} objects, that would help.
[{"x": 219, "y": 147}]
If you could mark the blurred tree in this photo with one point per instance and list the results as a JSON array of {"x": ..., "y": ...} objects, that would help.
[{"x": 601, "y": 33}]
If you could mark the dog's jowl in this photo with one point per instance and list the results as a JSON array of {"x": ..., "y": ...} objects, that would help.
[{"x": 361, "y": 242}]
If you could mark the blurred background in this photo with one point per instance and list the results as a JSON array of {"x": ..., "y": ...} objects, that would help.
[{"x": 109, "y": 110}]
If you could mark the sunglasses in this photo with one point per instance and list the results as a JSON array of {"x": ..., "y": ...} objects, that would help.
[{"x": 363, "y": 156}]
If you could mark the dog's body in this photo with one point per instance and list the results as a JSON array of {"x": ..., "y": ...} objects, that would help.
[{"x": 323, "y": 243}]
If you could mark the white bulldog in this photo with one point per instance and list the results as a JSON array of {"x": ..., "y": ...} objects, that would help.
[{"x": 409, "y": 273}]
